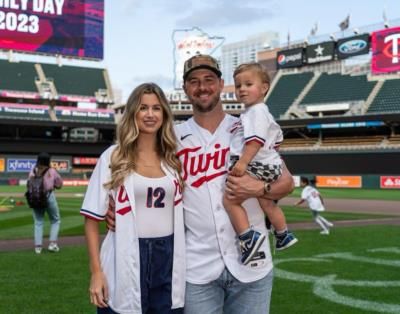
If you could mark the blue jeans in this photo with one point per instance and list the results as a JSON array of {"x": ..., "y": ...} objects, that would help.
[
  {"x": 230, "y": 296},
  {"x": 54, "y": 216},
  {"x": 156, "y": 259}
]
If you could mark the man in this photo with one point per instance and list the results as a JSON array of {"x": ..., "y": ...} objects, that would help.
[{"x": 217, "y": 282}]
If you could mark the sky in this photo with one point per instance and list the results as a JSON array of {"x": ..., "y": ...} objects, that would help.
[
  {"x": 138, "y": 44},
  {"x": 138, "y": 34}
]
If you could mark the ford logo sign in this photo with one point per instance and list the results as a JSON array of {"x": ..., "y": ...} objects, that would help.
[{"x": 352, "y": 46}]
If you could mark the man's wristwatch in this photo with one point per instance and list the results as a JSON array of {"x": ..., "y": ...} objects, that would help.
[{"x": 267, "y": 188}]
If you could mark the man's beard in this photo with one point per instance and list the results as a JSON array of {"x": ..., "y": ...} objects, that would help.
[{"x": 210, "y": 107}]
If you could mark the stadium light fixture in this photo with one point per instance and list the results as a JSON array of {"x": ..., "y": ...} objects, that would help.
[
  {"x": 356, "y": 31},
  {"x": 333, "y": 37}
]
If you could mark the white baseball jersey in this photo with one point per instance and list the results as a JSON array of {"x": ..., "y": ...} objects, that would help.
[
  {"x": 154, "y": 199},
  {"x": 311, "y": 195},
  {"x": 211, "y": 241},
  {"x": 119, "y": 254},
  {"x": 257, "y": 124}
]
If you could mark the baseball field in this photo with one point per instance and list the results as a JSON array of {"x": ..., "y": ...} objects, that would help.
[{"x": 355, "y": 269}]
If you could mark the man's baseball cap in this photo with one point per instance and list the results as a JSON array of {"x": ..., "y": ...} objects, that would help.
[{"x": 201, "y": 62}]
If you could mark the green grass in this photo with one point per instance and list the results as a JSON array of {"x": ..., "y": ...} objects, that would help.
[
  {"x": 18, "y": 222},
  {"x": 366, "y": 194},
  {"x": 363, "y": 194},
  {"x": 355, "y": 279},
  {"x": 58, "y": 283},
  {"x": 21, "y": 189},
  {"x": 45, "y": 283}
]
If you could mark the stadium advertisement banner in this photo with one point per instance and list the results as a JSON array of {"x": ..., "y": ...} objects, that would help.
[
  {"x": 385, "y": 50},
  {"x": 339, "y": 181},
  {"x": 17, "y": 94},
  {"x": 2, "y": 164},
  {"x": 77, "y": 98},
  {"x": 70, "y": 112},
  {"x": 320, "y": 52},
  {"x": 290, "y": 58},
  {"x": 61, "y": 27},
  {"x": 70, "y": 182},
  {"x": 20, "y": 164},
  {"x": 87, "y": 161},
  {"x": 62, "y": 165},
  {"x": 390, "y": 182},
  {"x": 16, "y": 109},
  {"x": 352, "y": 46}
]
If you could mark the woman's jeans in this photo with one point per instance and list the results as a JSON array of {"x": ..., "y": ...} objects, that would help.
[{"x": 54, "y": 216}]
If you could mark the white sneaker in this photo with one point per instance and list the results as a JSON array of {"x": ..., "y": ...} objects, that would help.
[
  {"x": 53, "y": 247},
  {"x": 329, "y": 224},
  {"x": 38, "y": 249},
  {"x": 326, "y": 232}
]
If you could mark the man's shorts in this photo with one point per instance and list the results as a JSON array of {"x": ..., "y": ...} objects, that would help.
[{"x": 268, "y": 173}]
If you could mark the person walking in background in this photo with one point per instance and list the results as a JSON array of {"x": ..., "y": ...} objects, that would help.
[
  {"x": 315, "y": 202},
  {"x": 141, "y": 267},
  {"x": 51, "y": 180},
  {"x": 253, "y": 149}
]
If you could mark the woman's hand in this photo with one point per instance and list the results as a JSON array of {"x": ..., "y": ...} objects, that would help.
[{"x": 98, "y": 290}]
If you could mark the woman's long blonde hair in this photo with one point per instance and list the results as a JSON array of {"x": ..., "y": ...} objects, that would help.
[{"x": 123, "y": 158}]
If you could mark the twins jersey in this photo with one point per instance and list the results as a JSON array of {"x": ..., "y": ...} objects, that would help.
[
  {"x": 311, "y": 195},
  {"x": 211, "y": 242},
  {"x": 154, "y": 199},
  {"x": 119, "y": 255},
  {"x": 257, "y": 124}
]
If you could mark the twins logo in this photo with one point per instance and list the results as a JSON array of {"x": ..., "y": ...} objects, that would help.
[
  {"x": 122, "y": 205},
  {"x": 197, "y": 165}
]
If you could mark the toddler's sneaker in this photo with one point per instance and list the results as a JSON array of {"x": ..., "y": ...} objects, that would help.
[
  {"x": 250, "y": 242},
  {"x": 284, "y": 240},
  {"x": 53, "y": 247},
  {"x": 38, "y": 249}
]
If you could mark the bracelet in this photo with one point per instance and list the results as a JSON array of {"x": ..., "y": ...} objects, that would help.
[{"x": 267, "y": 188}]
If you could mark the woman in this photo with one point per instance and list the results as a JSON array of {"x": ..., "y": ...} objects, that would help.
[
  {"x": 141, "y": 267},
  {"x": 51, "y": 180}
]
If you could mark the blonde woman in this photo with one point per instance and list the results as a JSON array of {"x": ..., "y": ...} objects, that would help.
[{"x": 141, "y": 266}]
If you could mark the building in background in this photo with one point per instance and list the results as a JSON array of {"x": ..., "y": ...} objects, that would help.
[{"x": 245, "y": 51}]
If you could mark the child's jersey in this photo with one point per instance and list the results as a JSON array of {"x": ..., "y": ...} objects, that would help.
[{"x": 311, "y": 195}]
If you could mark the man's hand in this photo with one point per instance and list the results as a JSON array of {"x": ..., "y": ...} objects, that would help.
[
  {"x": 242, "y": 188},
  {"x": 110, "y": 216}
]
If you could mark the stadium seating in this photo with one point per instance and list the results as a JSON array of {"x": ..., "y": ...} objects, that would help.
[
  {"x": 336, "y": 88},
  {"x": 286, "y": 91},
  {"x": 69, "y": 80},
  {"x": 388, "y": 98},
  {"x": 18, "y": 76}
]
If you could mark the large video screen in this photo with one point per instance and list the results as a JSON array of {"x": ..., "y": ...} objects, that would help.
[
  {"x": 385, "y": 50},
  {"x": 60, "y": 27}
]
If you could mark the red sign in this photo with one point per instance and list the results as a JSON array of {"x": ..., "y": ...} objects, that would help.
[
  {"x": 84, "y": 160},
  {"x": 385, "y": 50},
  {"x": 69, "y": 182},
  {"x": 390, "y": 182}
]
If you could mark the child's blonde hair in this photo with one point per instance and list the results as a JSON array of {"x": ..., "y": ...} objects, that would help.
[{"x": 257, "y": 68}]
